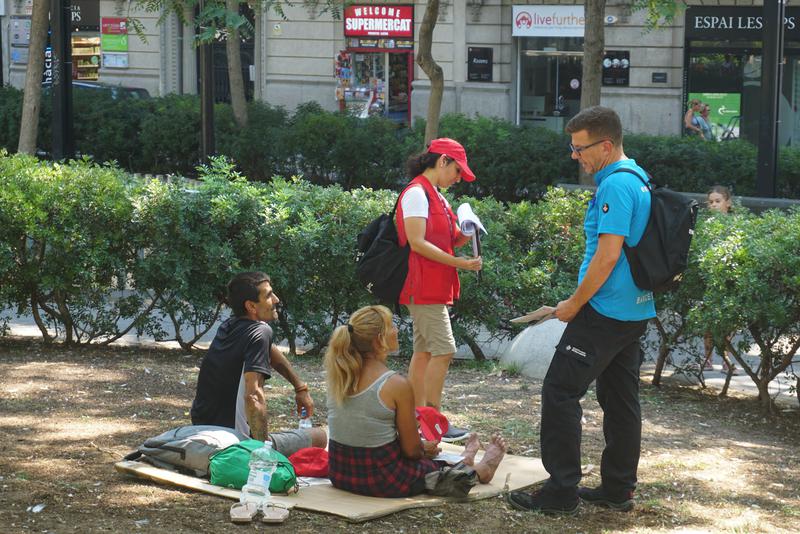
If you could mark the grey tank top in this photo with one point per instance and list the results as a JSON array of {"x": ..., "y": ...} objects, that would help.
[{"x": 363, "y": 420}]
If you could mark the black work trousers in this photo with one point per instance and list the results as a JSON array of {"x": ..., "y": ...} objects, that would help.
[{"x": 593, "y": 347}]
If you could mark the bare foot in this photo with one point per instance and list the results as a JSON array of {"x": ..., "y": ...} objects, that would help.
[
  {"x": 471, "y": 448},
  {"x": 491, "y": 459}
]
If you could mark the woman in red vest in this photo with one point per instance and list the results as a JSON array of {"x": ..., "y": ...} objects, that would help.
[{"x": 426, "y": 221}]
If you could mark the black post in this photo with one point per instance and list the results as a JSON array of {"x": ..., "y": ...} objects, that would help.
[
  {"x": 771, "y": 76},
  {"x": 206, "y": 97},
  {"x": 61, "y": 41}
]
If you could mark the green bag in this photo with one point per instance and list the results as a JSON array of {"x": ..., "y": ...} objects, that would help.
[{"x": 230, "y": 468}]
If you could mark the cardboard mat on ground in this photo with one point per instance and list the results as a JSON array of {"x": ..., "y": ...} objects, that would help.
[{"x": 327, "y": 499}]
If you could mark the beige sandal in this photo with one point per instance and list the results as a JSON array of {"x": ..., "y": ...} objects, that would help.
[
  {"x": 243, "y": 512},
  {"x": 274, "y": 513}
]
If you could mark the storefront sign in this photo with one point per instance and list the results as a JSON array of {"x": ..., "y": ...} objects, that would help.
[
  {"x": 114, "y": 34},
  {"x": 658, "y": 77},
  {"x": 479, "y": 66},
  {"x": 20, "y": 31},
  {"x": 115, "y": 60},
  {"x": 379, "y": 21},
  {"x": 736, "y": 23},
  {"x": 47, "y": 74},
  {"x": 85, "y": 15},
  {"x": 21, "y": 7},
  {"x": 547, "y": 21},
  {"x": 616, "y": 68},
  {"x": 722, "y": 108}
]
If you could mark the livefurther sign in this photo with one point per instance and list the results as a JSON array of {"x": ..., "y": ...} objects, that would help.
[{"x": 547, "y": 21}]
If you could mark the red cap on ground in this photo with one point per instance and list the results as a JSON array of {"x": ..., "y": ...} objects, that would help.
[
  {"x": 454, "y": 150},
  {"x": 432, "y": 424},
  {"x": 310, "y": 462}
]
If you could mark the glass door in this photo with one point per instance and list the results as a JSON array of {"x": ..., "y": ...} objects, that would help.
[
  {"x": 399, "y": 84},
  {"x": 550, "y": 87}
]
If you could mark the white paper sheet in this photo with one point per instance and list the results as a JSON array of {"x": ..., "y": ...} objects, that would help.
[{"x": 468, "y": 221}]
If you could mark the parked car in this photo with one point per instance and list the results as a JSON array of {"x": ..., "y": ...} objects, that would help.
[{"x": 117, "y": 91}]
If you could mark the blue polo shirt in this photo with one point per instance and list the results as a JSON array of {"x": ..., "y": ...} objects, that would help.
[{"x": 621, "y": 206}]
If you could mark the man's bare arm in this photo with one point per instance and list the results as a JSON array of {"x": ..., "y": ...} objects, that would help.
[
  {"x": 255, "y": 405},
  {"x": 281, "y": 364}
]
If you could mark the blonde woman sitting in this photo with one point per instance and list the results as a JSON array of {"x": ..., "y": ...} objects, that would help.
[{"x": 374, "y": 447}]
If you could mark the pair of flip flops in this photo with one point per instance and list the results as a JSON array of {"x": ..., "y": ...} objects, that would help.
[{"x": 245, "y": 512}]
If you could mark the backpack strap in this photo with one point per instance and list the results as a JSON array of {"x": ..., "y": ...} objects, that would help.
[{"x": 649, "y": 184}]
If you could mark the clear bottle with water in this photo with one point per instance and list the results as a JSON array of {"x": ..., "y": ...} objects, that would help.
[
  {"x": 305, "y": 420},
  {"x": 262, "y": 466}
]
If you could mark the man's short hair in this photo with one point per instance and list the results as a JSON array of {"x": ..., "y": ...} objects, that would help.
[
  {"x": 599, "y": 122},
  {"x": 244, "y": 287}
]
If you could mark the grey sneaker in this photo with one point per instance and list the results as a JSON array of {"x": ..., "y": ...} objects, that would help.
[
  {"x": 598, "y": 497},
  {"x": 455, "y": 434}
]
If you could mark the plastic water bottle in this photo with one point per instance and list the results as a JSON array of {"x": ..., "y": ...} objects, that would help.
[
  {"x": 262, "y": 465},
  {"x": 305, "y": 420}
]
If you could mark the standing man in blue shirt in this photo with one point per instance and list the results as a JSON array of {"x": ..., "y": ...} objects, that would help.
[{"x": 606, "y": 316}]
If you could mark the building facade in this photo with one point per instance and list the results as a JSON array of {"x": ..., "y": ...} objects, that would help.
[{"x": 500, "y": 58}]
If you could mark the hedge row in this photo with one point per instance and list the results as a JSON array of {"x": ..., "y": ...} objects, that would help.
[
  {"x": 513, "y": 163},
  {"x": 93, "y": 253}
]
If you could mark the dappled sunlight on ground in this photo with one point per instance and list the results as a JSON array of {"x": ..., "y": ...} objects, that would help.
[{"x": 708, "y": 465}]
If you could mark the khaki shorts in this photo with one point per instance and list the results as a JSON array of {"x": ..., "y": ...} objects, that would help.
[
  {"x": 290, "y": 441},
  {"x": 432, "y": 331}
]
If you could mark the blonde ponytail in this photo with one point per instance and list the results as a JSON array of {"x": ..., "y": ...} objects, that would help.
[{"x": 344, "y": 357}]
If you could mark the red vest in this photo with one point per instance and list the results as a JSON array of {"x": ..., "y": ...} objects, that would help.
[{"x": 428, "y": 281}]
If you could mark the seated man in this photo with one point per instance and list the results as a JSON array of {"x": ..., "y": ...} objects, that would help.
[{"x": 230, "y": 387}]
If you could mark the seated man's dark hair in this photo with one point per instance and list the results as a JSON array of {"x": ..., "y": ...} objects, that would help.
[
  {"x": 244, "y": 287},
  {"x": 600, "y": 122}
]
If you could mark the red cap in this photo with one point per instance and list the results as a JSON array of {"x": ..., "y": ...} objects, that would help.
[
  {"x": 310, "y": 462},
  {"x": 432, "y": 424},
  {"x": 454, "y": 150}
]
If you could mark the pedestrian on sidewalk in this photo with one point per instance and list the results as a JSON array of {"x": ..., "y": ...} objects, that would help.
[{"x": 606, "y": 316}]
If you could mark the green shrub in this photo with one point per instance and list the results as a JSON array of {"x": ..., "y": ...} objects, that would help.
[
  {"x": 67, "y": 229},
  {"x": 10, "y": 117},
  {"x": 170, "y": 136},
  {"x": 512, "y": 163},
  {"x": 260, "y": 150}
]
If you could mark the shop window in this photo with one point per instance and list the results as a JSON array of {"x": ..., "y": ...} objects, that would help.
[
  {"x": 85, "y": 57},
  {"x": 551, "y": 72}
]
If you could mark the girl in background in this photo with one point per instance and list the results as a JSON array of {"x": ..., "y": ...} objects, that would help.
[{"x": 718, "y": 199}]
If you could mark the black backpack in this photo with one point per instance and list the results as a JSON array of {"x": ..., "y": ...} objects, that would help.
[
  {"x": 381, "y": 263},
  {"x": 661, "y": 256}
]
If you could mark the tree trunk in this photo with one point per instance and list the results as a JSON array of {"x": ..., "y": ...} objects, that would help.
[
  {"x": 432, "y": 69},
  {"x": 31, "y": 103},
  {"x": 594, "y": 42},
  {"x": 235, "y": 77},
  {"x": 475, "y": 348},
  {"x": 663, "y": 352}
]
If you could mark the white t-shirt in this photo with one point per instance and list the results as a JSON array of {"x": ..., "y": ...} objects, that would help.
[{"x": 415, "y": 202}]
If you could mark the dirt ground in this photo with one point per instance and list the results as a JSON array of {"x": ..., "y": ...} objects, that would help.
[{"x": 66, "y": 415}]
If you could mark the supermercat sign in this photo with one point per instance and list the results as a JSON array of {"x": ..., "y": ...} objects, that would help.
[
  {"x": 379, "y": 21},
  {"x": 714, "y": 23},
  {"x": 547, "y": 21}
]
